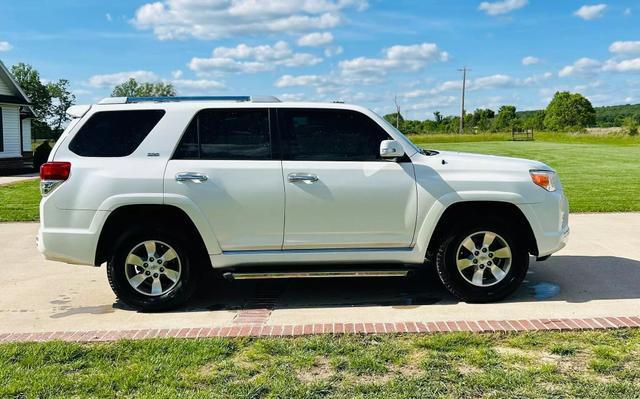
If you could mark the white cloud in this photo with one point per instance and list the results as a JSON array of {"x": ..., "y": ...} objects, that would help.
[
  {"x": 446, "y": 86},
  {"x": 187, "y": 86},
  {"x": 530, "y": 60},
  {"x": 333, "y": 51},
  {"x": 215, "y": 19},
  {"x": 501, "y": 7},
  {"x": 492, "y": 82},
  {"x": 589, "y": 13},
  {"x": 108, "y": 17},
  {"x": 301, "y": 80},
  {"x": 177, "y": 74},
  {"x": 291, "y": 96},
  {"x": 632, "y": 65},
  {"x": 315, "y": 39},
  {"x": 535, "y": 79},
  {"x": 583, "y": 66},
  {"x": 5, "y": 46},
  {"x": 627, "y": 12},
  {"x": 625, "y": 47},
  {"x": 399, "y": 57},
  {"x": 248, "y": 59},
  {"x": 117, "y": 78}
]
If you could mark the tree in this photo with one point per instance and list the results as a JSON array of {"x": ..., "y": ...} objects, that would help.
[
  {"x": 482, "y": 119},
  {"x": 29, "y": 79},
  {"x": 631, "y": 124},
  {"x": 567, "y": 110},
  {"x": 505, "y": 118},
  {"x": 131, "y": 88},
  {"x": 393, "y": 117},
  {"x": 535, "y": 120},
  {"x": 61, "y": 100},
  {"x": 437, "y": 116}
]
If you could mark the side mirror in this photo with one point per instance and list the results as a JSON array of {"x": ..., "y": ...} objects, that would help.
[{"x": 391, "y": 149}]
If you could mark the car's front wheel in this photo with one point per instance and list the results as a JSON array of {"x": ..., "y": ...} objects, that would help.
[
  {"x": 152, "y": 270},
  {"x": 485, "y": 262}
]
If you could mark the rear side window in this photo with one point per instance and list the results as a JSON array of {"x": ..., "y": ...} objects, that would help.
[
  {"x": 227, "y": 134},
  {"x": 114, "y": 133},
  {"x": 330, "y": 135}
]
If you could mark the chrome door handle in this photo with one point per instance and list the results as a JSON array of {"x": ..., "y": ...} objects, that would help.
[
  {"x": 303, "y": 177},
  {"x": 192, "y": 176}
]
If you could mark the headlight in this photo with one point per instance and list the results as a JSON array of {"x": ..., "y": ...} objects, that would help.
[{"x": 543, "y": 178}]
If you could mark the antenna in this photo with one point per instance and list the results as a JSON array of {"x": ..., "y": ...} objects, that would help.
[{"x": 464, "y": 71}]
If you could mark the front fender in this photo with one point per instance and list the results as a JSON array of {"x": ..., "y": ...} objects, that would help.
[{"x": 439, "y": 206}]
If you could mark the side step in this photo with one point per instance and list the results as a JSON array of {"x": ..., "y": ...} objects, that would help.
[{"x": 315, "y": 274}]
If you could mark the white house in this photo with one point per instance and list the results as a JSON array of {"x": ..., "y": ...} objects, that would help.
[{"x": 15, "y": 123}]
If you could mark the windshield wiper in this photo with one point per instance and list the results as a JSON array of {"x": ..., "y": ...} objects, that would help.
[{"x": 428, "y": 152}]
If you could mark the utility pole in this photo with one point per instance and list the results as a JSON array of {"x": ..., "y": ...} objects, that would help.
[
  {"x": 464, "y": 84},
  {"x": 395, "y": 100}
]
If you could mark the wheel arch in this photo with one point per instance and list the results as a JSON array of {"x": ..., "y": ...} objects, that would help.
[
  {"x": 459, "y": 211},
  {"x": 171, "y": 216}
]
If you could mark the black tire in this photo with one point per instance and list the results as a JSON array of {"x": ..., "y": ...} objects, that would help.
[
  {"x": 464, "y": 290},
  {"x": 176, "y": 295}
]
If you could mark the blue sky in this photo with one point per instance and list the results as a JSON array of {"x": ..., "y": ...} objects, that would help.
[{"x": 360, "y": 51}]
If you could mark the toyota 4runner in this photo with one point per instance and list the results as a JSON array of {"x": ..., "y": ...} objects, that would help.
[{"x": 160, "y": 189}]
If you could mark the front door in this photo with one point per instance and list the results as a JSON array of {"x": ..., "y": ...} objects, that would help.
[
  {"x": 224, "y": 164},
  {"x": 339, "y": 192}
]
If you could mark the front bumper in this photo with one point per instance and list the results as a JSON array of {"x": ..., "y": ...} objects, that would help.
[{"x": 549, "y": 221}]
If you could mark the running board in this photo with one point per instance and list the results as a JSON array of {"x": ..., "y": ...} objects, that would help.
[{"x": 315, "y": 274}]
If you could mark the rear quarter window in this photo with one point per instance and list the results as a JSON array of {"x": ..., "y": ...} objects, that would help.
[{"x": 114, "y": 133}]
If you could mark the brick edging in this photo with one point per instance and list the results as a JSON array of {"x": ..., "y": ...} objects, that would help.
[{"x": 255, "y": 330}]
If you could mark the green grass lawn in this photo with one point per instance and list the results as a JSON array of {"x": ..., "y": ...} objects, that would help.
[
  {"x": 20, "y": 201},
  {"x": 459, "y": 365},
  {"x": 596, "y": 177},
  {"x": 599, "y": 173}
]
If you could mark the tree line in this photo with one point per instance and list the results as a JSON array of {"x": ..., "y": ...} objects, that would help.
[{"x": 566, "y": 112}]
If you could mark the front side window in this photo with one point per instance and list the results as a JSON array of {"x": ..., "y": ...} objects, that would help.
[
  {"x": 114, "y": 133},
  {"x": 227, "y": 134},
  {"x": 330, "y": 135}
]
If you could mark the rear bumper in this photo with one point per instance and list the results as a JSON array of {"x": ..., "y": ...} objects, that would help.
[
  {"x": 71, "y": 246},
  {"x": 69, "y": 236}
]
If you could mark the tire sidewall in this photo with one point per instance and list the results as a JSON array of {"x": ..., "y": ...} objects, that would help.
[
  {"x": 125, "y": 292},
  {"x": 455, "y": 282}
]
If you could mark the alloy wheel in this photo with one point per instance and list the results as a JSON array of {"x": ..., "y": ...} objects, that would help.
[
  {"x": 153, "y": 268},
  {"x": 483, "y": 258}
]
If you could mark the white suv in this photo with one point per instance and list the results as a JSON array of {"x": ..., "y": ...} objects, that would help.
[{"x": 162, "y": 188}]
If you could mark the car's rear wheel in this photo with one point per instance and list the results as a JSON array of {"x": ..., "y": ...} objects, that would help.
[
  {"x": 152, "y": 270},
  {"x": 482, "y": 263}
]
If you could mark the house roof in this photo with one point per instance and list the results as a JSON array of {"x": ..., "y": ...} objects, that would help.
[{"x": 20, "y": 98}]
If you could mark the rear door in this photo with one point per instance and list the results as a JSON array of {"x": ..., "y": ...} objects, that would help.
[
  {"x": 339, "y": 192},
  {"x": 224, "y": 163}
]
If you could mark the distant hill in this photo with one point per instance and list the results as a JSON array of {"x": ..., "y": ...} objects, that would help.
[{"x": 609, "y": 116}]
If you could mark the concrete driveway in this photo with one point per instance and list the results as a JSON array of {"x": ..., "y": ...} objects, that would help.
[{"x": 596, "y": 275}]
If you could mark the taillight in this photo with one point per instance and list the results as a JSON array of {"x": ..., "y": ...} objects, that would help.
[{"x": 52, "y": 174}]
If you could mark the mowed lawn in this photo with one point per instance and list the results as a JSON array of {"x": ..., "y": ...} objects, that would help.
[
  {"x": 598, "y": 174},
  {"x": 596, "y": 177},
  {"x": 458, "y": 365},
  {"x": 20, "y": 201}
]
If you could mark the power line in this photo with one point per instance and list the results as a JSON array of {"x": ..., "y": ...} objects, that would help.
[{"x": 464, "y": 71}]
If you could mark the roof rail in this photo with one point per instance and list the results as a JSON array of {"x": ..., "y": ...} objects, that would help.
[{"x": 133, "y": 100}]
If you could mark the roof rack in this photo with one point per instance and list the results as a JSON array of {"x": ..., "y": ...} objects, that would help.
[{"x": 133, "y": 100}]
